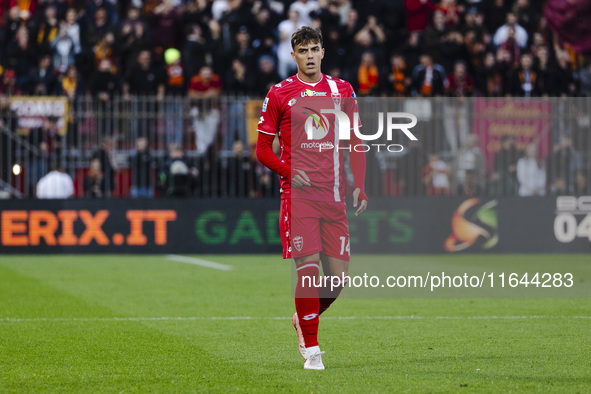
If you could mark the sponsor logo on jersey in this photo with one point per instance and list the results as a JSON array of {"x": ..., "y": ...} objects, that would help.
[
  {"x": 291, "y": 102},
  {"x": 278, "y": 85},
  {"x": 298, "y": 242},
  {"x": 265, "y": 104},
  {"x": 312, "y": 93},
  {"x": 261, "y": 120}
]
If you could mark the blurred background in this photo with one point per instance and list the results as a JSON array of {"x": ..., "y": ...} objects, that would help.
[{"x": 158, "y": 98}]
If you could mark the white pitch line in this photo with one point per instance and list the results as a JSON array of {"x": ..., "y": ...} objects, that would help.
[
  {"x": 195, "y": 261},
  {"x": 212, "y": 318}
]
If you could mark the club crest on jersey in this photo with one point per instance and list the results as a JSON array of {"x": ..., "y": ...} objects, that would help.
[
  {"x": 316, "y": 125},
  {"x": 336, "y": 99},
  {"x": 311, "y": 93},
  {"x": 298, "y": 242}
]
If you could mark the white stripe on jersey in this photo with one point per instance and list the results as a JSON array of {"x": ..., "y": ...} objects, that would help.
[{"x": 337, "y": 195}]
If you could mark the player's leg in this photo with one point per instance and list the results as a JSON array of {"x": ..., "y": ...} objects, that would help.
[
  {"x": 334, "y": 230},
  {"x": 304, "y": 238},
  {"x": 338, "y": 270}
]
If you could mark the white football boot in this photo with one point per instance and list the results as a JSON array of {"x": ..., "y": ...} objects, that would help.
[{"x": 314, "y": 361}]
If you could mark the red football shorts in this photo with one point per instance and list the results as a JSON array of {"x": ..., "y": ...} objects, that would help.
[{"x": 309, "y": 227}]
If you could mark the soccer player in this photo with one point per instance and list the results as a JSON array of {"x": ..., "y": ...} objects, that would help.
[{"x": 313, "y": 217}]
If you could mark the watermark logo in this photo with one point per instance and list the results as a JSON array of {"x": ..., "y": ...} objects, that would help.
[
  {"x": 316, "y": 125},
  {"x": 471, "y": 225}
]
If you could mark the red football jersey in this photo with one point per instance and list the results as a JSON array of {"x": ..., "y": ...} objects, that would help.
[{"x": 323, "y": 166}]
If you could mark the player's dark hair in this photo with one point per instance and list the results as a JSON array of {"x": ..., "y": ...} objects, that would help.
[{"x": 306, "y": 35}]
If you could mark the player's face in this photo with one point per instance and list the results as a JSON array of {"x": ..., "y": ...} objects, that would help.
[{"x": 308, "y": 57}]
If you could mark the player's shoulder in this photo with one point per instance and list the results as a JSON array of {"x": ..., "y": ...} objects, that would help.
[
  {"x": 342, "y": 85},
  {"x": 278, "y": 88}
]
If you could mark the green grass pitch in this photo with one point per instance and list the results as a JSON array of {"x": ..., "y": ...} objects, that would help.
[{"x": 107, "y": 324}]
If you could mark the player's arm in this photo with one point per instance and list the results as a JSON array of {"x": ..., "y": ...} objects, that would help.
[
  {"x": 357, "y": 159},
  {"x": 267, "y": 128}
]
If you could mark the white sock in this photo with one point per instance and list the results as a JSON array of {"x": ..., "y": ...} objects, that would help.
[{"x": 312, "y": 350}]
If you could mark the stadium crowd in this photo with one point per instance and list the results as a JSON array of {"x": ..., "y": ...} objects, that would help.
[{"x": 204, "y": 49}]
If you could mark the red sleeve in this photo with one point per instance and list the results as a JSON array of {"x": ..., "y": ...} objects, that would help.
[
  {"x": 270, "y": 114},
  {"x": 266, "y": 155},
  {"x": 268, "y": 127}
]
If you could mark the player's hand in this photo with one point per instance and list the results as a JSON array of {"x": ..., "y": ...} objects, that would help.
[
  {"x": 301, "y": 180},
  {"x": 362, "y": 205}
]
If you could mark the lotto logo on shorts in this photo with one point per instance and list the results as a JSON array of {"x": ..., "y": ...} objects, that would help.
[{"x": 298, "y": 242}]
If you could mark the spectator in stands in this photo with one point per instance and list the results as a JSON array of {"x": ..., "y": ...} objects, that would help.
[
  {"x": 176, "y": 178},
  {"x": 585, "y": 78},
  {"x": 263, "y": 31},
  {"x": 459, "y": 82},
  {"x": 304, "y": 8},
  {"x": 108, "y": 168},
  {"x": 42, "y": 81},
  {"x": 8, "y": 84},
  {"x": 468, "y": 168},
  {"x": 205, "y": 115},
  {"x": 99, "y": 26},
  {"x": 455, "y": 112},
  {"x": 140, "y": 163},
  {"x": 450, "y": 11},
  {"x": 104, "y": 85},
  {"x": 240, "y": 172},
  {"x": 206, "y": 84},
  {"x": 56, "y": 184},
  {"x": 531, "y": 174},
  {"x": 523, "y": 82},
  {"x": 21, "y": 57},
  {"x": 63, "y": 50},
  {"x": 503, "y": 33},
  {"x": 504, "y": 175},
  {"x": 71, "y": 85},
  {"x": 434, "y": 34},
  {"x": 94, "y": 181},
  {"x": 427, "y": 78},
  {"x": 267, "y": 75},
  {"x": 562, "y": 166},
  {"x": 145, "y": 78},
  {"x": 104, "y": 50},
  {"x": 368, "y": 76},
  {"x": 244, "y": 50},
  {"x": 73, "y": 30},
  {"x": 237, "y": 80},
  {"x": 436, "y": 176},
  {"x": 132, "y": 38},
  {"x": 418, "y": 14},
  {"x": 562, "y": 76},
  {"x": 411, "y": 50},
  {"x": 166, "y": 25},
  {"x": 286, "y": 28},
  {"x": 544, "y": 78},
  {"x": 48, "y": 30},
  {"x": 399, "y": 77},
  {"x": 489, "y": 78},
  {"x": 107, "y": 7},
  {"x": 195, "y": 51}
]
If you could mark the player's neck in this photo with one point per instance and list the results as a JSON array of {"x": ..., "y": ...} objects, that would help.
[{"x": 310, "y": 79}]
